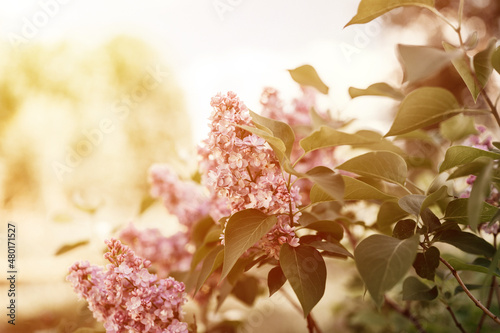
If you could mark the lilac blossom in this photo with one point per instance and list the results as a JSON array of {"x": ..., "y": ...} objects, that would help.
[
  {"x": 242, "y": 168},
  {"x": 125, "y": 297}
]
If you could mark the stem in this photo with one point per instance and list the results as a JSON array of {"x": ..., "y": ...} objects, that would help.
[
  {"x": 455, "y": 320},
  {"x": 467, "y": 291},
  {"x": 488, "y": 304},
  {"x": 406, "y": 313},
  {"x": 491, "y": 106},
  {"x": 460, "y": 14},
  {"x": 311, "y": 322},
  {"x": 443, "y": 18}
]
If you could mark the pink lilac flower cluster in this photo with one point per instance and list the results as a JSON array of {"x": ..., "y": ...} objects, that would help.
[
  {"x": 167, "y": 254},
  {"x": 184, "y": 199},
  {"x": 483, "y": 141},
  {"x": 298, "y": 116},
  {"x": 126, "y": 297},
  {"x": 242, "y": 168}
]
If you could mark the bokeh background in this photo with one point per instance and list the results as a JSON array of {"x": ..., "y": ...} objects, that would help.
[{"x": 94, "y": 92}]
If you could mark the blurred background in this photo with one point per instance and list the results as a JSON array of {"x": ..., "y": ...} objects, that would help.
[{"x": 92, "y": 93}]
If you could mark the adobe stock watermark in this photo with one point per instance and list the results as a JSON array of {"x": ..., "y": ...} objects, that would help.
[
  {"x": 224, "y": 6},
  {"x": 364, "y": 34},
  {"x": 120, "y": 110},
  {"x": 32, "y": 24}
]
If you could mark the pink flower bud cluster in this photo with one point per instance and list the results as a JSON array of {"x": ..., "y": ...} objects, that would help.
[
  {"x": 126, "y": 297},
  {"x": 167, "y": 254},
  {"x": 184, "y": 199},
  {"x": 242, "y": 168}
]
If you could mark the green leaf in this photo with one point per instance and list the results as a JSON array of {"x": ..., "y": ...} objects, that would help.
[
  {"x": 482, "y": 63},
  {"x": 329, "y": 182},
  {"x": 434, "y": 197},
  {"x": 68, "y": 247},
  {"x": 275, "y": 280},
  {"x": 331, "y": 246},
  {"x": 404, "y": 229},
  {"x": 471, "y": 41},
  {"x": 306, "y": 75},
  {"x": 389, "y": 213},
  {"x": 279, "y": 129},
  {"x": 466, "y": 242},
  {"x": 305, "y": 269},
  {"x": 382, "y": 261},
  {"x": 423, "y": 107},
  {"x": 210, "y": 264},
  {"x": 460, "y": 155},
  {"x": 463, "y": 68},
  {"x": 377, "y": 89},
  {"x": 495, "y": 59},
  {"x": 457, "y": 210},
  {"x": 246, "y": 289},
  {"x": 328, "y": 227},
  {"x": 243, "y": 230},
  {"x": 329, "y": 137},
  {"x": 276, "y": 143},
  {"x": 430, "y": 220},
  {"x": 383, "y": 165},
  {"x": 472, "y": 168},
  {"x": 416, "y": 290},
  {"x": 200, "y": 230},
  {"x": 420, "y": 62},
  {"x": 412, "y": 203},
  {"x": 371, "y": 9},
  {"x": 480, "y": 191},
  {"x": 461, "y": 266},
  {"x": 307, "y": 218},
  {"x": 357, "y": 190},
  {"x": 426, "y": 263},
  {"x": 457, "y": 128},
  {"x": 317, "y": 195}
]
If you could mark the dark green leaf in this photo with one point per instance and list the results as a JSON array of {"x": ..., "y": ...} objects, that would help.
[
  {"x": 495, "y": 59},
  {"x": 389, "y": 213},
  {"x": 331, "y": 246},
  {"x": 463, "y": 68},
  {"x": 480, "y": 191},
  {"x": 457, "y": 211},
  {"x": 371, "y": 9},
  {"x": 275, "y": 280},
  {"x": 431, "y": 221},
  {"x": 416, "y": 290},
  {"x": 404, "y": 229},
  {"x": 434, "y": 197},
  {"x": 246, "y": 289},
  {"x": 210, "y": 264},
  {"x": 68, "y": 247},
  {"x": 423, "y": 107},
  {"x": 305, "y": 269},
  {"x": 482, "y": 63},
  {"x": 466, "y": 242},
  {"x": 425, "y": 264},
  {"x": 460, "y": 155},
  {"x": 306, "y": 75},
  {"x": 357, "y": 190},
  {"x": 412, "y": 203},
  {"x": 377, "y": 89},
  {"x": 243, "y": 230},
  {"x": 328, "y": 227},
  {"x": 382, "y": 261},
  {"x": 461, "y": 266},
  {"x": 326, "y": 179},
  {"x": 383, "y": 165}
]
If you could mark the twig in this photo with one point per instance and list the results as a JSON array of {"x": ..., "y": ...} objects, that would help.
[
  {"x": 311, "y": 323},
  {"x": 455, "y": 320},
  {"x": 488, "y": 304},
  {"x": 467, "y": 291},
  {"x": 405, "y": 312}
]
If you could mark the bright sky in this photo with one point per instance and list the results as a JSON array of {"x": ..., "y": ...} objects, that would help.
[{"x": 220, "y": 45}]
